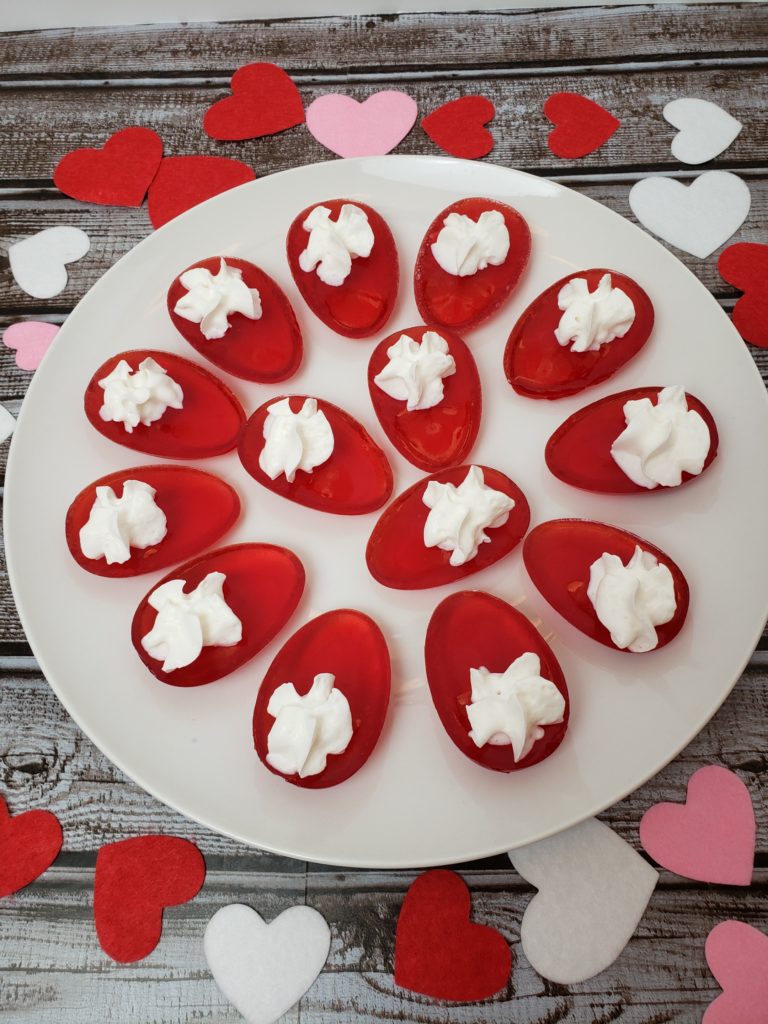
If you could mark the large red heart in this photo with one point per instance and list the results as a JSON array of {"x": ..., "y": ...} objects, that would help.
[
  {"x": 439, "y": 952},
  {"x": 745, "y": 266},
  {"x": 29, "y": 844},
  {"x": 184, "y": 181},
  {"x": 135, "y": 880},
  {"x": 457, "y": 127},
  {"x": 118, "y": 174},
  {"x": 264, "y": 101},
  {"x": 581, "y": 125}
]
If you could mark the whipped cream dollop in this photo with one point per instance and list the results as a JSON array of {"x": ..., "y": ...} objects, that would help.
[
  {"x": 661, "y": 441},
  {"x": 186, "y": 623},
  {"x": 460, "y": 515},
  {"x": 211, "y": 298},
  {"x": 512, "y": 706},
  {"x": 138, "y": 397},
  {"x": 307, "y": 729},
  {"x": 333, "y": 244},
  {"x": 591, "y": 319},
  {"x": 295, "y": 440},
  {"x": 631, "y": 600},
  {"x": 415, "y": 371},
  {"x": 116, "y": 525},
  {"x": 465, "y": 246}
]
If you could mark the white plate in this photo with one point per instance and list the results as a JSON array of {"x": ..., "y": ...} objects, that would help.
[{"x": 417, "y": 801}]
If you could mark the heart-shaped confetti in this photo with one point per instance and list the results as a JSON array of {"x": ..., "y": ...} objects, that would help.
[
  {"x": 264, "y": 969},
  {"x": 264, "y": 101},
  {"x": 31, "y": 339},
  {"x": 439, "y": 952},
  {"x": 135, "y": 880},
  {"x": 39, "y": 263},
  {"x": 371, "y": 128},
  {"x": 697, "y": 218},
  {"x": 118, "y": 174},
  {"x": 704, "y": 129},
  {"x": 458, "y": 127},
  {"x": 737, "y": 955},
  {"x": 745, "y": 266},
  {"x": 593, "y": 891},
  {"x": 581, "y": 125},
  {"x": 185, "y": 181},
  {"x": 29, "y": 844},
  {"x": 711, "y": 837}
]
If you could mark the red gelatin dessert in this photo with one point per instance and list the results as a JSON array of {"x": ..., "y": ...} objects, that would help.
[
  {"x": 234, "y": 314},
  {"x": 471, "y": 631},
  {"x": 194, "y": 509},
  {"x": 344, "y": 261},
  {"x": 333, "y": 678},
  {"x": 485, "y": 263},
  {"x": 425, "y": 390},
  {"x": 161, "y": 404}
]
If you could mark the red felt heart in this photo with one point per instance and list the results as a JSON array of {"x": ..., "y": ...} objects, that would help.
[
  {"x": 118, "y": 174},
  {"x": 184, "y": 181},
  {"x": 581, "y": 125},
  {"x": 29, "y": 844},
  {"x": 745, "y": 266},
  {"x": 457, "y": 127},
  {"x": 264, "y": 101},
  {"x": 135, "y": 880},
  {"x": 439, "y": 952}
]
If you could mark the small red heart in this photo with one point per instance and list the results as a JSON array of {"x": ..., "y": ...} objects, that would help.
[
  {"x": 264, "y": 101},
  {"x": 184, "y": 181},
  {"x": 581, "y": 125},
  {"x": 457, "y": 127},
  {"x": 439, "y": 952},
  {"x": 118, "y": 174},
  {"x": 29, "y": 844},
  {"x": 745, "y": 266},
  {"x": 135, "y": 880}
]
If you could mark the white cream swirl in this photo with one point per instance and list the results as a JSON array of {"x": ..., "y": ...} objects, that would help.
[
  {"x": 333, "y": 244},
  {"x": 116, "y": 525},
  {"x": 141, "y": 397},
  {"x": 307, "y": 729},
  {"x": 591, "y": 319},
  {"x": 295, "y": 440},
  {"x": 465, "y": 246},
  {"x": 415, "y": 371},
  {"x": 631, "y": 600},
  {"x": 212, "y": 298},
  {"x": 460, "y": 515}
]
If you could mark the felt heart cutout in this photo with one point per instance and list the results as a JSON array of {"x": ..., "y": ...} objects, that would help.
[
  {"x": 31, "y": 339},
  {"x": 457, "y": 127},
  {"x": 696, "y": 218},
  {"x": 711, "y": 837},
  {"x": 29, "y": 844},
  {"x": 581, "y": 125},
  {"x": 737, "y": 955},
  {"x": 184, "y": 181},
  {"x": 118, "y": 174},
  {"x": 264, "y": 101},
  {"x": 263, "y": 969},
  {"x": 704, "y": 129},
  {"x": 593, "y": 891},
  {"x": 371, "y": 128},
  {"x": 745, "y": 266},
  {"x": 39, "y": 263},
  {"x": 439, "y": 952},
  {"x": 7, "y": 424},
  {"x": 135, "y": 880}
]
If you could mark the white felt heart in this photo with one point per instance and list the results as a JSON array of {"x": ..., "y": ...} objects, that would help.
[
  {"x": 39, "y": 263},
  {"x": 697, "y": 218},
  {"x": 7, "y": 424},
  {"x": 593, "y": 891},
  {"x": 704, "y": 129},
  {"x": 263, "y": 969}
]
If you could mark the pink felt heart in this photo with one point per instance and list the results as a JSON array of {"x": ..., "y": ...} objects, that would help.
[
  {"x": 711, "y": 837},
  {"x": 737, "y": 955},
  {"x": 371, "y": 128},
  {"x": 31, "y": 339}
]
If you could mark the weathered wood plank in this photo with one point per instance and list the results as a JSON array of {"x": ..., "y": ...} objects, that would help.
[
  {"x": 45, "y": 761},
  {"x": 85, "y": 117},
  {"x": 520, "y": 37}
]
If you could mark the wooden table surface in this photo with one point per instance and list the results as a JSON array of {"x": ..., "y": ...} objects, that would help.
[{"x": 68, "y": 88}]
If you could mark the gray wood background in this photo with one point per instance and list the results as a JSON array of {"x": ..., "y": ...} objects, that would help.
[{"x": 68, "y": 88}]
